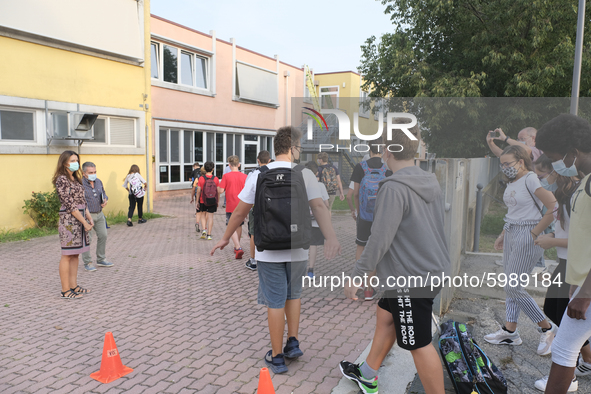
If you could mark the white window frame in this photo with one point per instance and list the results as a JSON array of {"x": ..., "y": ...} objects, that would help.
[
  {"x": 197, "y": 54},
  {"x": 108, "y": 132},
  {"x": 28, "y": 111},
  {"x": 363, "y": 96},
  {"x": 330, "y": 94}
]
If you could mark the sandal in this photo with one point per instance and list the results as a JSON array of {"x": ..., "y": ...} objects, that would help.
[
  {"x": 70, "y": 295},
  {"x": 80, "y": 290}
]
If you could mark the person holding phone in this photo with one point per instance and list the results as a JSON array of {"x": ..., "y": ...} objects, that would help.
[
  {"x": 75, "y": 222},
  {"x": 526, "y": 138}
]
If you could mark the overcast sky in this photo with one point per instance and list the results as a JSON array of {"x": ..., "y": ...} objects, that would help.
[{"x": 325, "y": 34}]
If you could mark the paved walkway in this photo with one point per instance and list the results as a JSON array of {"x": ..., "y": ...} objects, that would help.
[{"x": 184, "y": 321}]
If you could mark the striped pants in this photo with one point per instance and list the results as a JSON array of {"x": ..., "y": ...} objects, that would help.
[{"x": 520, "y": 255}]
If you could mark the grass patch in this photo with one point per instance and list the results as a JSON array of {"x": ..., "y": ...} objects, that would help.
[
  {"x": 36, "y": 232},
  {"x": 121, "y": 217},
  {"x": 339, "y": 205},
  {"x": 25, "y": 235}
]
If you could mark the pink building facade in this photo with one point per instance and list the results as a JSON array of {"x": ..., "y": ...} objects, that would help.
[{"x": 212, "y": 99}]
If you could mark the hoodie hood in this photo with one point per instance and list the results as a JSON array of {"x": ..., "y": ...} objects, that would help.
[{"x": 421, "y": 182}]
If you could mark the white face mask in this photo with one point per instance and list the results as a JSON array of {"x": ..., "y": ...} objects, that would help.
[
  {"x": 562, "y": 169},
  {"x": 92, "y": 177}
]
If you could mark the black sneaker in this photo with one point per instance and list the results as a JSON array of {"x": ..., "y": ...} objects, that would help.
[
  {"x": 129, "y": 223},
  {"x": 142, "y": 221},
  {"x": 292, "y": 348},
  {"x": 277, "y": 363},
  {"x": 351, "y": 371},
  {"x": 251, "y": 264}
]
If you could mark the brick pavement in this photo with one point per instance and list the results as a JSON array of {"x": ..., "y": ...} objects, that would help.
[{"x": 185, "y": 321}]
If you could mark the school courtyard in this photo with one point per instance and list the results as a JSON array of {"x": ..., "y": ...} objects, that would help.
[{"x": 189, "y": 323}]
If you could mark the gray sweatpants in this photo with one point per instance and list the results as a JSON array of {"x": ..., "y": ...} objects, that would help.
[{"x": 100, "y": 228}]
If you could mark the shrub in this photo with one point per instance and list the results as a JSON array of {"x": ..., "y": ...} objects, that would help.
[{"x": 43, "y": 208}]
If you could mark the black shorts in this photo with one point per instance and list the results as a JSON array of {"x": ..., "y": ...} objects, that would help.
[
  {"x": 228, "y": 215},
  {"x": 316, "y": 237},
  {"x": 363, "y": 231},
  {"x": 208, "y": 208},
  {"x": 412, "y": 317}
]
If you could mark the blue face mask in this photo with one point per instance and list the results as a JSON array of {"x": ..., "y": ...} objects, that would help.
[
  {"x": 551, "y": 187},
  {"x": 74, "y": 166},
  {"x": 92, "y": 177},
  {"x": 561, "y": 168}
]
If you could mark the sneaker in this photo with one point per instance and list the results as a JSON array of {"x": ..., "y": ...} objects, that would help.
[
  {"x": 251, "y": 264},
  {"x": 239, "y": 253},
  {"x": 546, "y": 338},
  {"x": 541, "y": 384},
  {"x": 292, "y": 348},
  {"x": 351, "y": 371},
  {"x": 369, "y": 294},
  {"x": 277, "y": 363},
  {"x": 311, "y": 272},
  {"x": 197, "y": 228},
  {"x": 203, "y": 234},
  {"x": 209, "y": 238},
  {"x": 129, "y": 223},
  {"x": 89, "y": 267},
  {"x": 584, "y": 368},
  {"x": 503, "y": 337},
  {"x": 142, "y": 221},
  {"x": 104, "y": 263}
]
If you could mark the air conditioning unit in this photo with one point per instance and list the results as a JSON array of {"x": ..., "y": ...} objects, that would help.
[{"x": 72, "y": 125}]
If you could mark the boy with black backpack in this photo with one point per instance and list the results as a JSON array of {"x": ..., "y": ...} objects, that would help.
[
  {"x": 366, "y": 177},
  {"x": 329, "y": 175},
  {"x": 207, "y": 195},
  {"x": 282, "y": 194},
  {"x": 403, "y": 247}
]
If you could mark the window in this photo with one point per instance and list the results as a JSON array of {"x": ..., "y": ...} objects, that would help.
[
  {"x": 114, "y": 131},
  {"x": 17, "y": 126},
  {"x": 179, "y": 66},
  {"x": 256, "y": 84},
  {"x": 154, "y": 57},
  {"x": 364, "y": 104},
  {"x": 329, "y": 97}
]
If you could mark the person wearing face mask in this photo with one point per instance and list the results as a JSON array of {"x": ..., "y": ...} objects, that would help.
[
  {"x": 524, "y": 222},
  {"x": 96, "y": 198},
  {"x": 75, "y": 222},
  {"x": 557, "y": 295},
  {"x": 566, "y": 140}
]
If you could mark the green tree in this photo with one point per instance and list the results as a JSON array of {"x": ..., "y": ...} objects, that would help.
[{"x": 501, "y": 48}]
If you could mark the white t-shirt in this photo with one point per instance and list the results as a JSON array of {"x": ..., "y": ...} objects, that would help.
[
  {"x": 560, "y": 232},
  {"x": 128, "y": 177},
  {"x": 247, "y": 195},
  {"x": 519, "y": 201},
  {"x": 324, "y": 196}
]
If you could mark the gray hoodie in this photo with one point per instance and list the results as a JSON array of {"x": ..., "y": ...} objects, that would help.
[{"x": 407, "y": 237}]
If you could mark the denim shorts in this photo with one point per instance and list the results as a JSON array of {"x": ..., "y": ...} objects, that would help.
[{"x": 279, "y": 282}]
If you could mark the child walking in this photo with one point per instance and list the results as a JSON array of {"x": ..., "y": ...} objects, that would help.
[{"x": 135, "y": 185}]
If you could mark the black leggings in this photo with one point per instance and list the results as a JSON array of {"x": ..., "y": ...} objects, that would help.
[{"x": 140, "y": 206}]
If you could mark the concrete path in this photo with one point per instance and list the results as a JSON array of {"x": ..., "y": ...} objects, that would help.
[{"x": 184, "y": 321}]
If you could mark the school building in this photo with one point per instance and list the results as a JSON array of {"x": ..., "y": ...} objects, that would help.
[
  {"x": 71, "y": 82},
  {"x": 211, "y": 99}
]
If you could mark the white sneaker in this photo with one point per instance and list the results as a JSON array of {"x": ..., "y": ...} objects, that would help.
[
  {"x": 503, "y": 337},
  {"x": 583, "y": 369},
  {"x": 546, "y": 338},
  {"x": 541, "y": 384}
]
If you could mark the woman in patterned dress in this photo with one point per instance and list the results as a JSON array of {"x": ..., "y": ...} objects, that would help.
[{"x": 73, "y": 228}]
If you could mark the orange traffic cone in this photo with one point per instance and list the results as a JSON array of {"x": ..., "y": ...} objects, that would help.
[
  {"x": 111, "y": 366},
  {"x": 265, "y": 384}
]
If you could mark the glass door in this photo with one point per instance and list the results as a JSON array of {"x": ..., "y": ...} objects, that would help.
[{"x": 250, "y": 152}]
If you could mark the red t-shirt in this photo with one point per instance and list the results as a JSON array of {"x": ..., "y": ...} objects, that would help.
[
  {"x": 233, "y": 183},
  {"x": 201, "y": 185}
]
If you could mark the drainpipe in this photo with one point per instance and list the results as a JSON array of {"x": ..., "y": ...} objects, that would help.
[{"x": 286, "y": 74}]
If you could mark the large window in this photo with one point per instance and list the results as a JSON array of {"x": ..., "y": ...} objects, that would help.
[
  {"x": 175, "y": 65},
  {"x": 17, "y": 126}
]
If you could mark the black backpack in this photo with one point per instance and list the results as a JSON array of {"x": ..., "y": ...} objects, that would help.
[{"x": 281, "y": 210}]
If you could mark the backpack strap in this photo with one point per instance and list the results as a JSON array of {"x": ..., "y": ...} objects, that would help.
[
  {"x": 299, "y": 168},
  {"x": 532, "y": 196},
  {"x": 264, "y": 169},
  {"x": 365, "y": 167}
]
